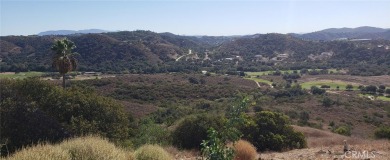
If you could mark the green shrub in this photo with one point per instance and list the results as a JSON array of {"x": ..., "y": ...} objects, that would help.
[
  {"x": 192, "y": 130},
  {"x": 272, "y": 131},
  {"x": 331, "y": 123},
  {"x": 325, "y": 86},
  {"x": 24, "y": 124},
  {"x": 150, "y": 133},
  {"x": 215, "y": 146},
  {"x": 304, "y": 118},
  {"x": 382, "y": 132},
  {"x": 193, "y": 80},
  {"x": 316, "y": 90},
  {"x": 343, "y": 130},
  {"x": 327, "y": 102},
  {"x": 151, "y": 152},
  {"x": 349, "y": 87},
  {"x": 33, "y": 110}
]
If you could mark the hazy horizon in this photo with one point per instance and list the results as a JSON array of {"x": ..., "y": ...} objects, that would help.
[{"x": 196, "y": 17}]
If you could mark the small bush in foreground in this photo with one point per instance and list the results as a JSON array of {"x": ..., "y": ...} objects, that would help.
[
  {"x": 41, "y": 152},
  {"x": 192, "y": 130},
  {"x": 84, "y": 148},
  {"x": 215, "y": 146},
  {"x": 93, "y": 148},
  {"x": 244, "y": 150},
  {"x": 151, "y": 152},
  {"x": 272, "y": 131},
  {"x": 151, "y": 133},
  {"x": 48, "y": 113}
]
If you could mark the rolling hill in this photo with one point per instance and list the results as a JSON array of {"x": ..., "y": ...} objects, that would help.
[
  {"x": 347, "y": 33},
  {"x": 69, "y": 32},
  {"x": 150, "y": 52}
]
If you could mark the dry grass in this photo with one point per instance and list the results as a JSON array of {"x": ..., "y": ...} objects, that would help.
[
  {"x": 91, "y": 147},
  {"x": 84, "y": 148},
  {"x": 378, "y": 150},
  {"x": 244, "y": 150},
  {"x": 321, "y": 138},
  {"x": 151, "y": 152},
  {"x": 41, "y": 152}
]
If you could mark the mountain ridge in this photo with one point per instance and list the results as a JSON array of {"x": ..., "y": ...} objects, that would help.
[
  {"x": 69, "y": 32},
  {"x": 151, "y": 52},
  {"x": 363, "y": 29},
  {"x": 363, "y": 32}
]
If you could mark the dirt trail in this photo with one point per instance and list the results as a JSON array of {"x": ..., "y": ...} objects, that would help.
[
  {"x": 325, "y": 145},
  {"x": 334, "y": 152},
  {"x": 258, "y": 84}
]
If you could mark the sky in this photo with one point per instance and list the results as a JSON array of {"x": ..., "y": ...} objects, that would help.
[{"x": 191, "y": 17}]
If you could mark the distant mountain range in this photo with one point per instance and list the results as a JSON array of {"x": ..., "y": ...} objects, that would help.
[
  {"x": 365, "y": 32},
  {"x": 365, "y": 29},
  {"x": 150, "y": 52},
  {"x": 68, "y": 32}
]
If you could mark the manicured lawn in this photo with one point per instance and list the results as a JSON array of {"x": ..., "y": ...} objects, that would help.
[
  {"x": 258, "y": 73},
  {"x": 383, "y": 98},
  {"x": 252, "y": 74},
  {"x": 332, "y": 84},
  {"x": 20, "y": 75}
]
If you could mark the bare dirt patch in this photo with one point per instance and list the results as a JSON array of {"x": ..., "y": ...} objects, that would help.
[{"x": 327, "y": 145}]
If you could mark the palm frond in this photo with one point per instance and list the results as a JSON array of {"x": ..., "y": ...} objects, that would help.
[
  {"x": 64, "y": 60},
  {"x": 73, "y": 61}
]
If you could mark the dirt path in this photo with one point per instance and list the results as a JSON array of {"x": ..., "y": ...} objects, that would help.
[
  {"x": 258, "y": 84},
  {"x": 334, "y": 152}
]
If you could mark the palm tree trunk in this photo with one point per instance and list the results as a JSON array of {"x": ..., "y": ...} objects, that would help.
[{"x": 63, "y": 81}]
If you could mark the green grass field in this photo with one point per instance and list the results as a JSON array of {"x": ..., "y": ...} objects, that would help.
[
  {"x": 284, "y": 71},
  {"x": 266, "y": 72},
  {"x": 383, "y": 98},
  {"x": 332, "y": 84},
  {"x": 21, "y": 75}
]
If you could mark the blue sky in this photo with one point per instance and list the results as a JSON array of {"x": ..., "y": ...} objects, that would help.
[{"x": 191, "y": 17}]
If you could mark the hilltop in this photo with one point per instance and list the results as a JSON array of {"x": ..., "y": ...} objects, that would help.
[
  {"x": 69, "y": 32},
  {"x": 150, "y": 52},
  {"x": 364, "y": 32},
  {"x": 131, "y": 108}
]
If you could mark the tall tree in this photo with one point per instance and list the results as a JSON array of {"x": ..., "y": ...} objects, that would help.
[{"x": 64, "y": 59}]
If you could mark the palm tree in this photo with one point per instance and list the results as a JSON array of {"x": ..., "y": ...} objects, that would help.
[{"x": 64, "y": 60}]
